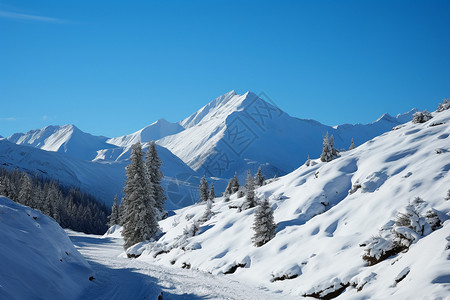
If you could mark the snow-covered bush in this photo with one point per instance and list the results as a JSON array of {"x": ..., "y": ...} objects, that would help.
[
  {"x": 190, "y": 231},
  {"x": 208, "y": 211},
  {"x": 398, "y": 235},
  {"x": 421, "y": 117},
  {"x": 444, "y": 105}
]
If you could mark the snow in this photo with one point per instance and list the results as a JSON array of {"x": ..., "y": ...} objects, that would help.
[
  {"x": 117, "y": 277},
  {"x": 322, "y": 226},
  {"x": 103, "y": 179},
  {"x": 231, "y": 133},
  {"x": 153, "y": 132},
  {"x": 37, "y": 259},
  {"x": 239, "y": 132}
]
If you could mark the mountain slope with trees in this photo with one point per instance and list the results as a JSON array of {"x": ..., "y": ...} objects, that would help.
[{"x": 329, "y": 217}]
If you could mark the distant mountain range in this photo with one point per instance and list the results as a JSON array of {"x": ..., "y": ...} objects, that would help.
[{"x": 230, "y": 134}]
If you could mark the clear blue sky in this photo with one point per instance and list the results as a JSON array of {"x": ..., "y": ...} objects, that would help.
[{"x": 113, "y": 67}]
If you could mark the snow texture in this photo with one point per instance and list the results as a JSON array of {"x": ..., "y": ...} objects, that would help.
[
  {"x": 37, "y": 259},
  {"x": 324, "y": 221}
]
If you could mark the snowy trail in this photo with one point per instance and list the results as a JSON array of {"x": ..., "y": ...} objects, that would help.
[{"x": 122, "y": 278}]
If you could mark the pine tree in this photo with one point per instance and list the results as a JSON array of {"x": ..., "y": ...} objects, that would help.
[
  {"x": 114, "y": 217},
  {"x": 263, "y": 225},
  {"x": 250, "y": 199},
  {"x": 153, "y": 165},
  {"x": 328, "y": 150},
  {"x": 212, "y": 194},
  {"x": 259, "y": 177},
  {"x": 352, "y": 145},
  {"x": 235, "y": 187},
  {"x": 140, "y": 222},
  {"x": 26, "y": 191},
  {"x": 203, "y": 189}
]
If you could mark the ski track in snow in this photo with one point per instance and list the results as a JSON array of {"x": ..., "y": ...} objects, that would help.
[{"x": 117, "y": 277}]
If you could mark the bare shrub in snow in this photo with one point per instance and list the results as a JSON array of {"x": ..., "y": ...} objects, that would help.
[
  {"x": 421, "y": 117},
  {"x": 352, "y": 145},
  {"x": 444, "y": 105}
]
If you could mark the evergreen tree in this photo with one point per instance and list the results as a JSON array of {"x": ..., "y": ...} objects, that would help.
[
  {"x": 250, "y": 198},
  {"x": 328, "y": 150},
  {"x": 263, "y": 225},
  {"x": 259, "y": 177},
  {"x": 153, "y": 165},
  {"x": 203, "y": 189},
  {"x": 114, "y": 217},
  {"x": 26, "y": 190},
  {"x": 352, "y": 145},
  {"x": 212, "y": 194},
  {"x": 140, "y": 222},
  {"x": 236, "y": 184}
]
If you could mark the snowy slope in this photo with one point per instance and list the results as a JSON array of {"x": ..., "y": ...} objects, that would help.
[
  {"x": 321, "y": 224},
  {"x": 240, "y": 132},
  {"x": 102, "y": 179},
  {"x": 66, "y": 139},
  {"x": 153, "y": 132},
  {"x": 37, "y": 259}
]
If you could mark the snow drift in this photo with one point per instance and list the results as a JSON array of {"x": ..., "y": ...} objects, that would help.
[{"x": 37, "y": 259}]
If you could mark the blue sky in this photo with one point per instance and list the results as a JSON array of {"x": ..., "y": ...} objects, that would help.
[{"x": 113, "y": 67}]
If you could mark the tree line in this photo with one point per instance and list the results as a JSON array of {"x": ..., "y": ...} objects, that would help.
[{"x": 69, "y": 206}]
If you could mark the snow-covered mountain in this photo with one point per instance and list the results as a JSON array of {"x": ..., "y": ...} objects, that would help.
[
  {"x": 66, "y": 139},
  {"x": 326, "y": 214},
  {"x": 239, "y": 132},
  {"x": 37, "y": 259},
  {"x": 153, "y": 132},
  {"x": 102, "y": 179},
  {"x": 231, "y": 133}
]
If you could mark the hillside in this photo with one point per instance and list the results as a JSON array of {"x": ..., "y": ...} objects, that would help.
[
  {"x": 102, "y": 179},
  {"x": 327, "y": 215},
  {"x": 37, "y": 259}
]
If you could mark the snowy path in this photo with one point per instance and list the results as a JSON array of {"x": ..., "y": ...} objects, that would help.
[{"x": 122, "y": 278}]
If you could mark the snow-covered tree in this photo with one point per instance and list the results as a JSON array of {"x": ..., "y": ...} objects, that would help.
[
  {"x": 328, "y": 150},
  {"x": 233, "y": 185},
  {"x": 114, "y": 217},
  {"x": 153, "y": 165},
  {"x": 259, "y": 177},
  {"x": 203, "y": 189},
  {"x": 421, "y": 117},
  {"x": 444, "y": 105},
  {"x": 212, "y": 193},
  {"x": 263, "y": 225},
  {"x": 140, "y": 215},
  {"x": 208, "y": 211},
  {"x": 250, "y": 198},
  {"x": 352, "y": 145},
  {"x": 26, "y": 190}
]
